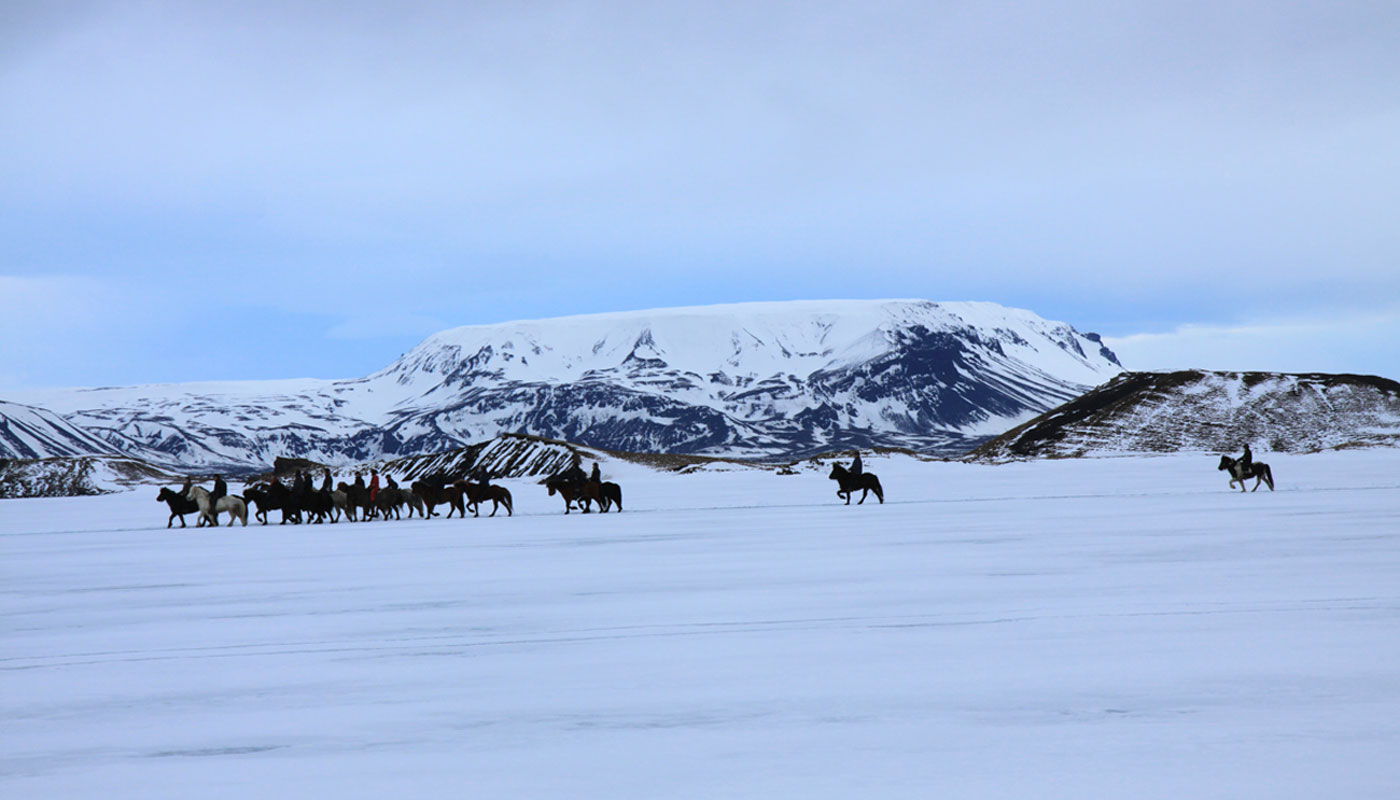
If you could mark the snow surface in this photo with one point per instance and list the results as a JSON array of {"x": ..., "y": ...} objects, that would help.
[{"x": 1091, "y": 628}]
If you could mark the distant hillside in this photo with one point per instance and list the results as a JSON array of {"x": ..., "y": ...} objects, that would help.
[
  {"x": 1198, "y": 411},
  {"x": 28, "y": 432},
  {"x": 75, "y": 476}
]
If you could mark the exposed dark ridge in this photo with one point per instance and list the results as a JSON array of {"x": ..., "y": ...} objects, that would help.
[{"x": 1183, "y": 410}]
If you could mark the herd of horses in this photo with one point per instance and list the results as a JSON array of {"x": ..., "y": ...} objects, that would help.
[{"x": 354, "y": 503}]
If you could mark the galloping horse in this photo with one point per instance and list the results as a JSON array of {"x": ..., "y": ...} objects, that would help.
[
  {"x": 1257, "y": 470},
  {"x": 476, "y": 495},
  {"x": 846, "y": 483},
  {"x": 232, "y": 503},
  {"x": 179, "y": 507}
]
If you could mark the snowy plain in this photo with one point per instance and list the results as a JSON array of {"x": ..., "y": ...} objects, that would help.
[{"x": 1118, "y": 627}]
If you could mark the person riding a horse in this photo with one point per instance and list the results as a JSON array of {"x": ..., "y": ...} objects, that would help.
[
  {"x": 574, "y": 474},
  {"x": 220, "y": 490},
  {"x": 1247, "y": 460},
  {"x": 856, "y": 467},
  {"x": 596, "y": 476}
]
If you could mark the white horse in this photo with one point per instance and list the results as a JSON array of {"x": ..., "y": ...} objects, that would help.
[{"x": 233, "y": 504}]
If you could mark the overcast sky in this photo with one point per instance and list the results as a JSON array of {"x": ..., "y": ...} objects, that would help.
[{"x": 194, "y": 191}]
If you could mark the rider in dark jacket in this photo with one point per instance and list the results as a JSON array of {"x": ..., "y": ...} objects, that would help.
[
  {"x": 1246, "y": 460},
  {"x": 596, "y": 476},
  {"x": 574, "y": 474},
  {"x": 856, "y": 467},
  {"x": 220, "y": 490}
]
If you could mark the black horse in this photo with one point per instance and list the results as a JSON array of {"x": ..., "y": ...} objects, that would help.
[
  {"x": 846, "y": 483},
  {"x": 179, "y": 507},
  {"x": 609, "y": 494},
  {"x": 476, "y": 494},
  {"x": 260, "y": 497},
  {"x": 1238, "y": 472}
]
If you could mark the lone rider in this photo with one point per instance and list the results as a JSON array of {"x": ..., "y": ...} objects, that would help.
[
  {"x": 1246, "y": 460},
  {"x": 856, "y": 467},
  {"x": 596, "y": 476}
]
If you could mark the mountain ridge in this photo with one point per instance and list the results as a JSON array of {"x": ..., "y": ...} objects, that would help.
[
  {"x": 739, "y": 380},
  {"x": 1210, "y": 411}
]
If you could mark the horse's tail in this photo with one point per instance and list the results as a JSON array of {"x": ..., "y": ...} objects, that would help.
[
  {"x": 1268, "y": 476},
  {"x": 879, "y": 490}
]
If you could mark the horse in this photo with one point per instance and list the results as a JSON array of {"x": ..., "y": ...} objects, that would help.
[
  {"x": 339, "y": 505},
  {"x": 432, "y": 494},
  {"x": 357, "y": 504},
  {"x": 257, "y": 497},
  {"x": 318, "y": 503},
  {"x": 847, "y": 482},
  {"x": 605, "y": 493},
  {"x": 567, "y": 489},
  {"x": 476, "y": 494},
  {"x": 179, "y": 507},
  {"x": 1257, "y": 470},
  {"x": 610, "y": 494},
  {"x": 232, "y": 503}
]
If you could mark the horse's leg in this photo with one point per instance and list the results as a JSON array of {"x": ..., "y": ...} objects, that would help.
[{"x": 863, "y": 493}]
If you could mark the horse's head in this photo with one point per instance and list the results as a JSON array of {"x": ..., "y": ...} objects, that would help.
[
  {"x": 166, "y": 495},
  {"x": 837, "y": 472},
  {"x": 551, "y": 487},
  {"x": 1225, "y": 463}
]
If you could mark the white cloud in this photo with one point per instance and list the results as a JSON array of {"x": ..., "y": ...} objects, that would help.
[{"x": 1364, "y": 343}]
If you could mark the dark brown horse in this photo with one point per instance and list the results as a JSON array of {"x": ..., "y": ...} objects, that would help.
[
  {"x": 476, "y": 494},
  {"x": 566, "y": 489},
  {"x": 605, "y": 494},
  {"x": 846, "y": 483},
  {"x": 1257, "y": 470},
  {"x": 434, "y": 494}
]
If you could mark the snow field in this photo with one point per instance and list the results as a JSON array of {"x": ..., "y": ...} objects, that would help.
[{"x": 1099, "y": 628}]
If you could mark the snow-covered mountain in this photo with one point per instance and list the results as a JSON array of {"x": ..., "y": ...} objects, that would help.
[
  {"x": 27, "y": 432},
  {"x": 752, "y": 379},
  {"x": 1212, "y": 412}
]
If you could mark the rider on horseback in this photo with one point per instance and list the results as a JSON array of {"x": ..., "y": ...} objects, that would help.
[
  {"x": 856, "y": 468},
  {"x": 1246, "y": 460},
  {"x": 574, "y": 474}
]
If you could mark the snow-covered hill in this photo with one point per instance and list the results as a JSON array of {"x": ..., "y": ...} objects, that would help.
[
  {"x": 27, "y": 432},
  {"x": 751, "y": 380},
  {"x": 1217, "y": 412},
  {"x": 74, "y": 476}
]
